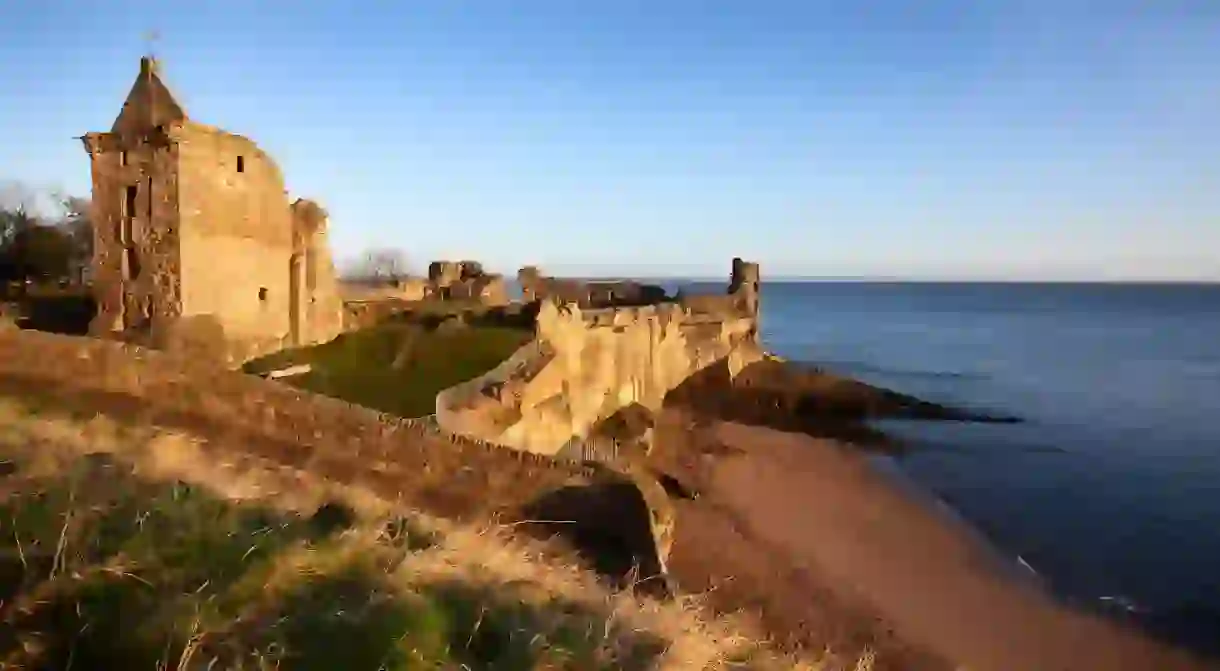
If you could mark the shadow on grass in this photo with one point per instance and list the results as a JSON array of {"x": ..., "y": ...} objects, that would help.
[
  {"x": 608, "y": 524},
  {"x": 454, "y": 624},
  {"x": 102, "y": 570},
  {"x": 99, "y": 567}
]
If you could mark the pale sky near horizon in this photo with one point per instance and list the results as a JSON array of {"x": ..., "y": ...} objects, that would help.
[{"x": 1043, "y": 139}]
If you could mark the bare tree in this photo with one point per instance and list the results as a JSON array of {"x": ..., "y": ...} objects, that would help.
[
  {"x": 18, "y": 206},
  {"x": 380, "y": 265},
  {"x": 74, "y": 220},
  {"x": 16, "y": 196}
]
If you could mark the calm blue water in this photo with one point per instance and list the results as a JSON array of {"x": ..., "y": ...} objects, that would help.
[{"x": 1111, "y": 488}]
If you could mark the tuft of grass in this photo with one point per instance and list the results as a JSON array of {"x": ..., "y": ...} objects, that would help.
[
  {"x": 127, "y": 546},
  {"x": 398, "y": 366}
]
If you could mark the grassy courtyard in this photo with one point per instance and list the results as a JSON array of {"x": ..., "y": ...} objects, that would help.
[{"x": 399, "y": 365}]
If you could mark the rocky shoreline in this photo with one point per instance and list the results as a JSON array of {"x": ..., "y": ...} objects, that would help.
[{"x": 793, "y": 397}]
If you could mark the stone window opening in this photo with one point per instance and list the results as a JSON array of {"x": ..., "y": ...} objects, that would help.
[
  {"x": 123, "y": 157},
  {"x": 133, "y": 262},
  {"x": 241, "y": 164},
  {"x": 129, "y": 202},
  {"x": 262, "y": 294}
]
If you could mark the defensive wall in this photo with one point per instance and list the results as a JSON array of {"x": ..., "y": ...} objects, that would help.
[{"x": 586, "y": 364}]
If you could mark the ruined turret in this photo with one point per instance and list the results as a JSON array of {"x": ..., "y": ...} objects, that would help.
[{"x": 743, "y": 285}]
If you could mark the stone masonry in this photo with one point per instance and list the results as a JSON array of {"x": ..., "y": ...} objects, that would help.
[
  {"x": 192, "y": 225},
  {"x": 587, "y": 364},
  {"x": 599, "y": 294},
  {"x": 465, "y": 280}
]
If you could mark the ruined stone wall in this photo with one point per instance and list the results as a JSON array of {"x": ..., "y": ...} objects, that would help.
[
  {"x": 486, "y": 289},
  {"x": 744, "y": 285},
  {"x": 585, "y": 365},
  {"x": 594, "y": 364},
  {"x": 599, "y": 294},
  {"x": 408, "y": 289},
  {"x": 135, "y": 266},
  {"x": 237, "y": 239},
  {"x": 195, "y": 240},
  {"x": 465, "y": 280},
  {"x": 318, "y": 306},
  {"x": 444, "y": 273}
]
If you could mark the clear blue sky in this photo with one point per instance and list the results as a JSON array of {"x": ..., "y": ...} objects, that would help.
[{"x": 1027, "y": 139}]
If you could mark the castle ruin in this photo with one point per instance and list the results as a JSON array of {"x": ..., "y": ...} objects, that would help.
[
  {"x": 587, "y": 294},
  {"x": 465, "y": 280},
  {"x": 194, "y": 235},
  {"x": 587, "y": 363}
]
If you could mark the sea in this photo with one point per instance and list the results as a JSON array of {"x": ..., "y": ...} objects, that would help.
[{"x": 1109, "y": 490}]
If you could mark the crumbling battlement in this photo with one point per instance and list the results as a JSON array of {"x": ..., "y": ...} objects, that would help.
[
  {"x": 465, "y": 280},
  {"x": 597, "y": 298},
  {"x": 588, "y": 295},
  {"x": 662, "y": 313},
  {"x": 740, "y": 302},
  {"x": 585, "y": 365},
  {"x": 740, "y": 299}
]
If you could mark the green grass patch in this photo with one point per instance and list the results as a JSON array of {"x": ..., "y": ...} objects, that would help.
[
  {"x": 100, "y": 569},
  {"x": 398, "y": 366}
]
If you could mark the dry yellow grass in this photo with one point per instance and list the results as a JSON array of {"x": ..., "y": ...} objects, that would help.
[{"x": 542, "y": 614}]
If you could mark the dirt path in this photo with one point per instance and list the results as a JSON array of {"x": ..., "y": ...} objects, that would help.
[{"x": 858, "y": 544}]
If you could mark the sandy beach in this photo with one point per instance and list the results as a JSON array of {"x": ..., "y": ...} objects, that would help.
[{"x": 835, "y": 550}]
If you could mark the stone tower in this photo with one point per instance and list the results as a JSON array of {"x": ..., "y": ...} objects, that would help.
[
  {"x": 743, "y": 284},
  {"x": 192, "y": 225}
]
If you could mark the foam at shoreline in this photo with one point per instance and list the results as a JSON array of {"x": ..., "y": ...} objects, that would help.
[{"x": 1013, "y": 567}]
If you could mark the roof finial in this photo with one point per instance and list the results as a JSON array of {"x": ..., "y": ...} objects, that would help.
[{"x": 150, "y": 39}]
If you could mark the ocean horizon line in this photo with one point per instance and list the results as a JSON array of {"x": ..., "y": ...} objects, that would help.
[{"x": 850, "y": 279}]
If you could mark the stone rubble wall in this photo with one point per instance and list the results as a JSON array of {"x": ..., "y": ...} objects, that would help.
[
  {"x": 465, "y": 280},
  {"x": 589, "y": 365},
  {"x": 408, "y": 289},
  {"x": 588, "y": 295}
]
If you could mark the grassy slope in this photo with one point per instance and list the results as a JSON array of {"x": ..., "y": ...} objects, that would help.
[
  {"x": 397, "y": 367},
  {"x": 113, "y": 560}
]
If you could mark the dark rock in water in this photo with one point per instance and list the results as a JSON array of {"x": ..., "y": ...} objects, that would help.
[{"x": 790, "y": 397}]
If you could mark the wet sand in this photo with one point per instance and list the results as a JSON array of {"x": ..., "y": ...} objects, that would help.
[{"x": 844, "y": 553}]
